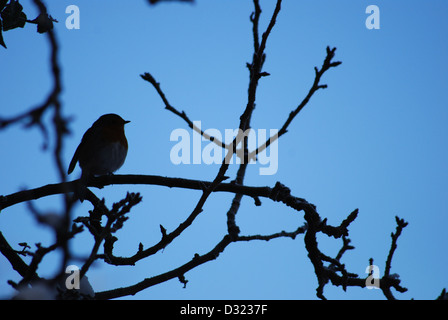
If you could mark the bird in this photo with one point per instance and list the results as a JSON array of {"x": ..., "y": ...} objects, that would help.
[{"x": 102, "y": 150}]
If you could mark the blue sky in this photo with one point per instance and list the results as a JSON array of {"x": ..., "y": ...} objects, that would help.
[{"x": 375, "y": 139}]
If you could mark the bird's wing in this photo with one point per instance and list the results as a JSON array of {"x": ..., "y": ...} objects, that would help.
[
  {"x": 72, "y": 165},
  {"x": 75, "y": 158}
]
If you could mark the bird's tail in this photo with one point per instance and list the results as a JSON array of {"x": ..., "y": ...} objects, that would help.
[{"x": 81, "y": 187}]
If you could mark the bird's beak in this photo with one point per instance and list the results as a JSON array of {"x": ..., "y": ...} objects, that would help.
[{"x": 126, "y": 121}]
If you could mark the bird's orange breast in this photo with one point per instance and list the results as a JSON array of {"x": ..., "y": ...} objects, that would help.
[{"x": 115, "y": 133}]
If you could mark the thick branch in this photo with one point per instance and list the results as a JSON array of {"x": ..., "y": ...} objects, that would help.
[{"x": 102, "y": 181}]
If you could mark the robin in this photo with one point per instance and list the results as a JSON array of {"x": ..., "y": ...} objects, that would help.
[{"x": 102, "y": 150}]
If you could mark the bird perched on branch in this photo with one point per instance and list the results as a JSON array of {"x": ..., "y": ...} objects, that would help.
[{"x": 102, "y": 150}]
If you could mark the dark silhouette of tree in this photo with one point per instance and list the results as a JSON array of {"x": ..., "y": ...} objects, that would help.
[
  {"x": 12, "y": 16},
  {"x": 103, "y": 222}
]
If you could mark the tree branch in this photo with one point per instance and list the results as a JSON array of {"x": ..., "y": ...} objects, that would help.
[
  {"x": 175, "y": 273},
  {"x": 193, "y": 263},
  {"x": 148, "y": 77}
]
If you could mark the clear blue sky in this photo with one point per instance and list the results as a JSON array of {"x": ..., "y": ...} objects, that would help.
[{"x": 376, "y": 139}]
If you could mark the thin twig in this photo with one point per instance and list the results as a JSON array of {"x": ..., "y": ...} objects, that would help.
[{"x": 148, "y": 77}]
